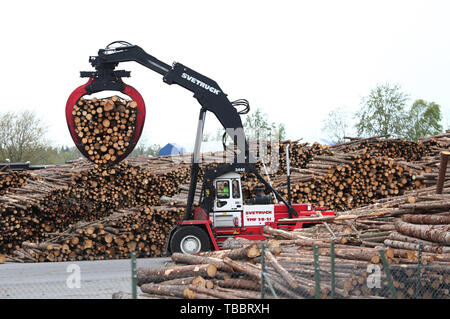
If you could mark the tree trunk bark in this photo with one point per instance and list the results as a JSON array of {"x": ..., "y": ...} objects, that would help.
[
  {"x": 155, "y": 275},
  {"x": 426, "y": 232},
  {"x": 283, "y": 272}
]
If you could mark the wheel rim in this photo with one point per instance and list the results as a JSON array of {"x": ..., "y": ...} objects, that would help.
[{"x": 190, "y": 245}]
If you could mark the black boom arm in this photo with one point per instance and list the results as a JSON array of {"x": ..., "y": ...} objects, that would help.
[{"x": 206, "y": 91}]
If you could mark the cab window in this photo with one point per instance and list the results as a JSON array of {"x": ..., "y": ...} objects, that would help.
[
  {"x": 223, "y": 189},
  {"x": 236, "y": 190}
]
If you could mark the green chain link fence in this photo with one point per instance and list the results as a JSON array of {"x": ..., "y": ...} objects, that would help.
[
  {"x": 341, "y": 280},
  {"x": 326, "y": 278}
]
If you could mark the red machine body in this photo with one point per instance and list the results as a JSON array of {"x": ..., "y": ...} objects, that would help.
[
  {"x": 250, "y": 224},
  {"x": 129, "y": 91}
]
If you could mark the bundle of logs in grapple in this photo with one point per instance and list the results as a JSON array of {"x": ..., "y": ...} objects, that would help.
[{"x": 105, "y": 127}]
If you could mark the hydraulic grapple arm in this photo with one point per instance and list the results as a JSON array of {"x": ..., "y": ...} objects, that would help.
[{"x": 206, "y": 91}]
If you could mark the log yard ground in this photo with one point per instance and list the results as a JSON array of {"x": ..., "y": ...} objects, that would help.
[{"x": 98, "y": 279}]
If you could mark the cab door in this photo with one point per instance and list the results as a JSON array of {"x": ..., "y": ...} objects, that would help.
[
  {"x": 236, "y": 194},
  {"x": 228, "y": 204},
  {"x": 223, "y": 200},
  {"x": 228, "y": 195}
]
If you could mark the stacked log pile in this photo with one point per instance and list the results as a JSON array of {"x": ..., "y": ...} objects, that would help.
[
  {"x": 300, "y": 154},
  {"x": 58, "y": 199},
  {"x": 289, "y": 265},
  {"x": 140, "y": 229},
  {"x": 105, "y": 127},
  {"x": 12, "y": 179},
  {"x": 343, "y": 181},
  {"x": 393, "y": 148},
  {"x": 418, "y": 216},
  {"x": 55, "y": 198},
  {"x": 359, "y": 172}
]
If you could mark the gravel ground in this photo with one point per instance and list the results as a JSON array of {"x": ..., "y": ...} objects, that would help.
[{"x": 63, "y": 280}]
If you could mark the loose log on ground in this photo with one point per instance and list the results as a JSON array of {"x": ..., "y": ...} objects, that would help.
[
  {"x": 155, "y": 275},
  {"x": 195, "y": 260},
  {"x": 239, "y": 283},
  {"x": 430, "y": 233},
  {"x": 166, "y": 290},
  {"x": 212, "y": 292},
  {"x": 286, "y": 276},
  {"x": 427, "y": 219},
  {"x": 250, "y": 251}
]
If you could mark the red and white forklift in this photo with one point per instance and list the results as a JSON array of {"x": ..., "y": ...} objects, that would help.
[{"x": 222, "y": 212}]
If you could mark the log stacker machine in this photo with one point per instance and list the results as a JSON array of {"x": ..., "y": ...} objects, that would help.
[{"x": 222, "y": 212}]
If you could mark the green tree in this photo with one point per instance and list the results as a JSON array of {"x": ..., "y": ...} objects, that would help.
[
  {"x": 22, "y": 134},
  {"x": 423, "y": 120},
  {"x": 337, "y": 124},
  {"x": 383, "y": 112}
]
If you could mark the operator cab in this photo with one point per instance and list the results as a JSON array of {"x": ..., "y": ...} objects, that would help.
[
  {"x": 229, "y": 210},
  {"x": 228, "y": 203},
  {"x": 228, "y": 193}
]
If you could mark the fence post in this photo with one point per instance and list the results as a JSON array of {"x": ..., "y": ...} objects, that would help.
[
  {"x": 442, "y": 170},
  {"x": 133, "y": 276},
  {"x": 388, "y": 274},
  {"x": 264, "y": 277},
  {"x": 333, "y": 280},
  {"x": 419, "y": 264},
  {"x": 263, "y": 270},
  {"x": 317, "y": 271}
]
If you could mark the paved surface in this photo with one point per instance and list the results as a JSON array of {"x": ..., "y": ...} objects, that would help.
[{"x": 97, "y": 279}]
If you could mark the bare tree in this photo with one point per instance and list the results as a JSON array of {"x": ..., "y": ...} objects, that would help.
[
  {"x": 337, "y": 124},
  {"x": 22, "y": 135}
]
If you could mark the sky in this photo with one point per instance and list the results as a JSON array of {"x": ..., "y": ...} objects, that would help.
[{"x": 295, "y": 60}]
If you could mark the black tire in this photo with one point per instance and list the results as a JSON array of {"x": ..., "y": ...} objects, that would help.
[{"x": 189, "y": 240}]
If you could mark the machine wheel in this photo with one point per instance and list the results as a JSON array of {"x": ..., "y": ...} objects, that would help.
[{"x": 189, "y": 240}]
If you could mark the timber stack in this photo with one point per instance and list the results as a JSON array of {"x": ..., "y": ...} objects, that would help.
[
  {"x": 143, "y": 230},
  {"x": 289, "y": 265},
  {"x": 343, "y": 181},
  {"x": 60, "y": 198},
  {"x": 10, "y": 180},
  {"x": 50, "y": 200},
  {"x": 393, "y": 148}
]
